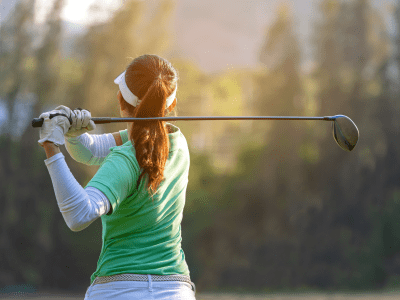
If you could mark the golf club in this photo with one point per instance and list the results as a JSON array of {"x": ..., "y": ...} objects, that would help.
[{"x": 345, "y": 131}]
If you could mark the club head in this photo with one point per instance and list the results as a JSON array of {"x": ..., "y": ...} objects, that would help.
[{"x": 345, "y": 132}]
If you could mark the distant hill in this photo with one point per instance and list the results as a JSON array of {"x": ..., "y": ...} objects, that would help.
[{"x": 219, "y": 33}]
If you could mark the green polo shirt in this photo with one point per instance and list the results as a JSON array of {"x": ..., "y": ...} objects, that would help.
[{"x": 142, "y": 235}]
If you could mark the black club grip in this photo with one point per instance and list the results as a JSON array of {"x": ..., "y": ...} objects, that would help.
[{"x": 38, "y": 122}]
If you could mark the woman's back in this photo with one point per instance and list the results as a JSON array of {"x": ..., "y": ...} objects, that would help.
[{"x": 143, "y": 233}]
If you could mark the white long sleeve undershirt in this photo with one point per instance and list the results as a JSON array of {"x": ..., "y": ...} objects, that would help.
[
  {"x": 79, "y": 206},
  {"x": 90, "y": 149}
]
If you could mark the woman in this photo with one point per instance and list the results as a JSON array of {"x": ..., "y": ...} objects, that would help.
[{"x": 138, "y": 191}]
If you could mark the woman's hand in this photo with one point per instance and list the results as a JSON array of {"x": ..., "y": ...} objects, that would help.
[
  {"x": 53, "y": 129},
  {"x": 81, "y": 120}
]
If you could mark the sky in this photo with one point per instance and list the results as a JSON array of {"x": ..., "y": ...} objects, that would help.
[{"x": 76, "y": 11}]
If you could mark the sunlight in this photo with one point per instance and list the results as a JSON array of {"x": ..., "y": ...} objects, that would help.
[{"x": 77, "y": 11}]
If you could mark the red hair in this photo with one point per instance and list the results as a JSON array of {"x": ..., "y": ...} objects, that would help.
[{"x": 152, "y": 79}]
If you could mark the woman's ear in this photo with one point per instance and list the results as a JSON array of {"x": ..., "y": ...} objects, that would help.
[
  {"x": 172, "y": 106},
  {"x": 120, "y": 98}
]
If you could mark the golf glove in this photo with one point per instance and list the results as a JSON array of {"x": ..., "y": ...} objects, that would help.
[
  {"x": 53, "y": 129},
  {"x": 81, "y": 121}
]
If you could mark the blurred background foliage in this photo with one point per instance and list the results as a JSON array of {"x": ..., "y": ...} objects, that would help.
[{"x": 270, "y": 205}]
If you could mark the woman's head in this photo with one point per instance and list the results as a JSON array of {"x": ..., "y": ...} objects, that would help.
[
  {"x": 148, "y": 89},
  {"x": 147, "y": 74}
]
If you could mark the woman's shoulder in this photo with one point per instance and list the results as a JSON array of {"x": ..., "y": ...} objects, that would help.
[
  {"x": 126, "y": 147},
  {"x": 176, "y": 137},
  {"x": 125, "y": 151},
  {"x": 119, "y": 156}
]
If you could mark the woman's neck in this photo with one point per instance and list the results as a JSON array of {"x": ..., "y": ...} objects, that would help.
[{"x": 169, "y": 129}]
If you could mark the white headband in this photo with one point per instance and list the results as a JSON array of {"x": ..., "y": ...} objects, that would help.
[{"x": 131, "y": 98}]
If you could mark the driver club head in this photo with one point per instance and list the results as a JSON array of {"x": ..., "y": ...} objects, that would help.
[{"x": 345, "y": 132}]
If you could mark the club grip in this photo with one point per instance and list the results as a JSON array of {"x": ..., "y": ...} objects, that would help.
[{"x": 38, "y": 122}]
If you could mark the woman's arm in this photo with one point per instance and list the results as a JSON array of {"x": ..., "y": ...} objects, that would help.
[
  {"x": 83, "y": 147},
  {"x": 91, "y": 149},
  {"x": 79, "y": 206},
  {"x": 50, "y": 149},
  {"x": 118, "y": 139}
]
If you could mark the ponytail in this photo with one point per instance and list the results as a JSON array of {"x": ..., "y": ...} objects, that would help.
[
  {"x": 150, "y": 138},
  {"x": 151, "y": 79}
]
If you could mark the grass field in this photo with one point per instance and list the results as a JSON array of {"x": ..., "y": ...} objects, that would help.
[{"x": 316, "y": 296}]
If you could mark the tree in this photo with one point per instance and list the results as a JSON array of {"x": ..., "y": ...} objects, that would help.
[
  {"x": 337, "y": 234},
  {"x": 249, "y": 240},
  {"x": 108, "y": 47},
  {"x": 280, "y": 53},
  {"x": 16, "y": 41}
]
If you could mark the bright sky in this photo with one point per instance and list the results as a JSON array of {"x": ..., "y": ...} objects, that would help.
[{"x": 76, "y": 11}]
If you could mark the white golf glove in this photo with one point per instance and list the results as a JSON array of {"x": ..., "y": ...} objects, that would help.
[
  {"x": 81, "y": 121},
  {"x": 53, "y": 129}
]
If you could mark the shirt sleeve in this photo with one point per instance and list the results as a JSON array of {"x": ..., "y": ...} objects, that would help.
[
  {"x": 90, "y": 149},
  {"x": 124, "y": 135},
  {"x": 117, "y": 176}
]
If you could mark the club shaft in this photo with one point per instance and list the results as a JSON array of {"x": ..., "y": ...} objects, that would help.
[
  {"x": 37, "y": 122},
  {"x": 216, "y": 118}
]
